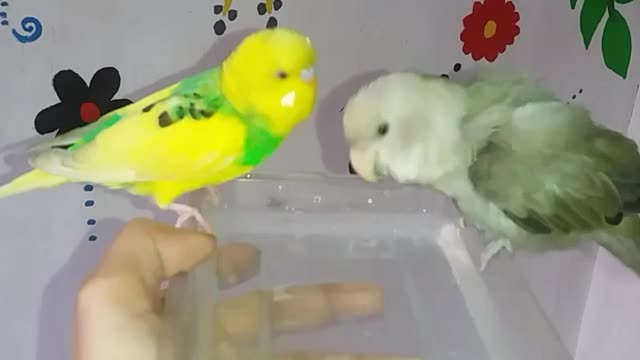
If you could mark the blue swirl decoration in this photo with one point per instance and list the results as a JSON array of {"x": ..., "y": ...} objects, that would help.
[{"x": 33, "y": 28}]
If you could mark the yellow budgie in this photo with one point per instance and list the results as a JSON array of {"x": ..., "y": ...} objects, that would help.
[{"x": 203, "y": 130}]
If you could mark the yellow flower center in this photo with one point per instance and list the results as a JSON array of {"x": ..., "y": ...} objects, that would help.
[{"x": 490, "y": 29}]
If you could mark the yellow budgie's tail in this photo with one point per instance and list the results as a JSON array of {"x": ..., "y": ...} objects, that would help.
[{"x": 34, "y": 179}]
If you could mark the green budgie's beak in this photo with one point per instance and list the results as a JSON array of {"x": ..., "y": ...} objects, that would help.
[{"x": 364, "y": 163}]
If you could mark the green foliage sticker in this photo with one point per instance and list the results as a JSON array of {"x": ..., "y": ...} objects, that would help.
[
  {"x": 616, "y": 35},
  {"x": 590, "y": 17},
  {"x": 616, "y": 44}
]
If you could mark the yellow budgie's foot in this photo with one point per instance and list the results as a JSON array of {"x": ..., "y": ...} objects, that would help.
[
  {"x": 492, "y": 250},
  {"x": 186, "y": 212}
]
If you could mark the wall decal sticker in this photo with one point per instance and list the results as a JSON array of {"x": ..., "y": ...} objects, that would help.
[
  {"x": 616, "y": 43},
  {"x": 80, "y": 104},
  {"x": 29, "y": 30},
  {"x": 489, "y": 29},
  {"x": 223, "y": 10},
  {"x": 269, "y": 7}
]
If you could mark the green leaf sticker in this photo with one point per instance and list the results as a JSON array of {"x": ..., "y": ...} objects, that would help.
[
  {"x": 574, "y": 2},
  {"x": 616, "y": 44},
  {"x": 590, "y": 17},
  {"x": 621, "y": 1}
]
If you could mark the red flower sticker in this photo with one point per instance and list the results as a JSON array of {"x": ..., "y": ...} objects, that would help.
[{"x": 489, "y": 29}]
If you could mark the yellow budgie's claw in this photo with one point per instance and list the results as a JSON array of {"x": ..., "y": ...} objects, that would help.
[{"x": 185, "y": 212}]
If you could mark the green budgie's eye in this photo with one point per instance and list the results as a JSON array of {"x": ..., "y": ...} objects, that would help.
[{"x": 383, "y": 129}]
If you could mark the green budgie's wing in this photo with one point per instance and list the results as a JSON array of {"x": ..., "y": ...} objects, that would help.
[{"x": 551, "y": 170}]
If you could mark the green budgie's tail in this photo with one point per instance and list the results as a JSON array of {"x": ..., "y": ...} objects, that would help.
[
  {"x": 34, "y": 179},
  {"x": 623, "y": 241}
]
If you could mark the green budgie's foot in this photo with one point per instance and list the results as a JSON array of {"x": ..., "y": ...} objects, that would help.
[
  {"x": 186, "y": 212},
  {"x": 492, "y": 249}
]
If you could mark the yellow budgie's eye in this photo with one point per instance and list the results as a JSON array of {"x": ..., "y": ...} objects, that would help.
[{"x": 281, "y": 75}]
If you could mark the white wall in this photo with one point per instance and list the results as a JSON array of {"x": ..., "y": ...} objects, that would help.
[
  {"x": 153, "y": 43},
  {"x": 611, "y": 320}
]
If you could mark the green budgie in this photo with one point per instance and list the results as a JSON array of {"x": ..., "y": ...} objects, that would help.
[{"x": 523, "y": 166}]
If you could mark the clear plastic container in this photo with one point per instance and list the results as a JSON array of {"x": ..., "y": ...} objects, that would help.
[{"x": 315, "y": 229}]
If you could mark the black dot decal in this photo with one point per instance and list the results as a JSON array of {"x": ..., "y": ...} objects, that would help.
[
  {"x": 272, "y": 22},
  {"x": 89, "y": 203},
  {"x": 456, "y": 67},
  {"x": 219, "y": 27},
  {"x": 575, "y": 96},
  {"x": 262, "y": 8},
  {"x": 232, "y": 15}
]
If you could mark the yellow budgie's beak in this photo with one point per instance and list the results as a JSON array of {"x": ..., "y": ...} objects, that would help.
[{"x": 308, "y": 75}]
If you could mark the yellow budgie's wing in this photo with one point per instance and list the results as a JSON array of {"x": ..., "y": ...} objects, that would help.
[
  {"x": 76, "y": 135},
  {"x": 174, "y": 139}
]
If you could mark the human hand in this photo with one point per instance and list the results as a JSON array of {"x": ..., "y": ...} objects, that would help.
[{"x": 119, "y": 309}]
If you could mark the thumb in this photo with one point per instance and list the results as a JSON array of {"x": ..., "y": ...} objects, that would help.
[{"x": 117, "y": 307}]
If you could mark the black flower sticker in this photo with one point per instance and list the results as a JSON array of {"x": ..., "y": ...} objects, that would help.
[{"x": 80, "y": 103}]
